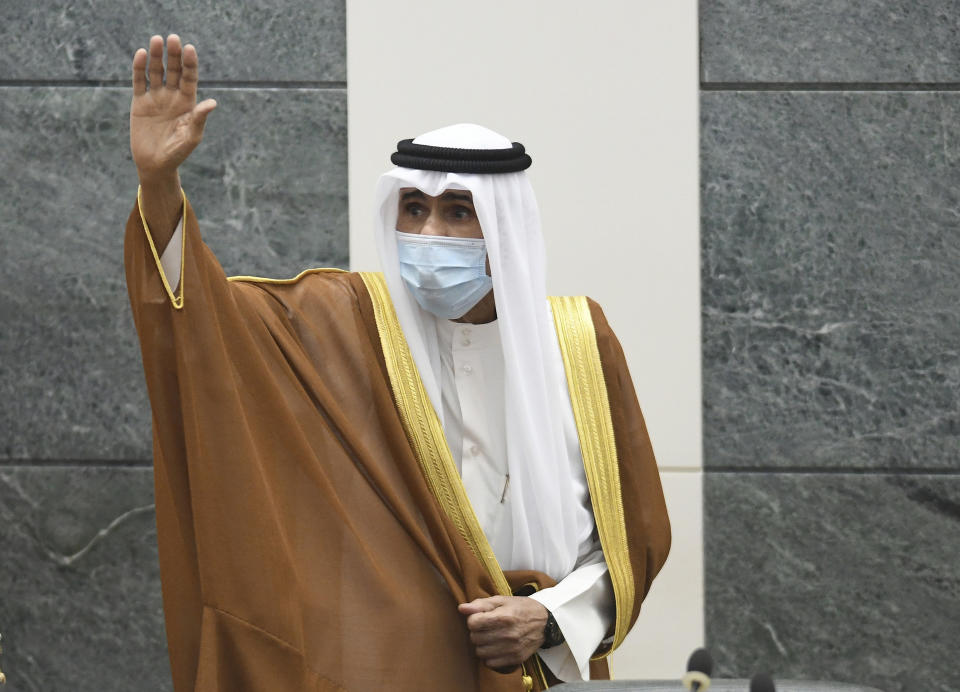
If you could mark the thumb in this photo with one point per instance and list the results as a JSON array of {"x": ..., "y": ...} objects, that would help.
[{"x": 198, "y": 116}]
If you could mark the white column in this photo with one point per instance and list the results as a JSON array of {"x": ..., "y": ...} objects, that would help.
[{"x": 604, "y": 96}]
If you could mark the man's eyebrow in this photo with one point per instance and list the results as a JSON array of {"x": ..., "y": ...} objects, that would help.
[
  {"x": 412, "y": 194},
  {"x": 459, "y": 196}
]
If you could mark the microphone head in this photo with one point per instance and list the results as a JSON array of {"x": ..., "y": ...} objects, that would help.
[
  {"x": 761, "y": 682},
  {"x": 701, "y": 661}
]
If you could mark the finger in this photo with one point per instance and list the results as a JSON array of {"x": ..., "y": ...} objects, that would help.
[
  {"x": 174, "y": 55},
  {"x": 484, "y": 621},
  {"x": 140, "y": 72},
  {"x": 502, "y": 665},
  {"x": 502, "y": 650},
  {"x": 156, "y": 61},
  {"x": 497, "y": 650},
  {"x": 478, "y": 605},
  {"x": 190, "y": 72},
  {"x": 485, "y": 637}
]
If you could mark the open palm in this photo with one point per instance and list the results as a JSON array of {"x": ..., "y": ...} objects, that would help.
[{"x": 166, "y": 122}]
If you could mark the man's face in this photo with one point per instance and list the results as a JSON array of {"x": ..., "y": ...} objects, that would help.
[{"x": 449, "y": 214}]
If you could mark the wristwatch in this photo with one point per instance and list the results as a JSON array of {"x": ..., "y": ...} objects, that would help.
[{"x": 552, "y": 636}]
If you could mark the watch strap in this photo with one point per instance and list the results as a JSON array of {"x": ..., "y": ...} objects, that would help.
[{"x": 552, "y": 634}]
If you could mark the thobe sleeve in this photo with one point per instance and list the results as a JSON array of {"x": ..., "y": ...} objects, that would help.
[
  {"x": 171, "y": 257},
  {"x": 583, "y": 605}
]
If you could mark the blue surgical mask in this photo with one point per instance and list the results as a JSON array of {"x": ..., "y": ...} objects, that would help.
[{"x": 447, "y": 276}]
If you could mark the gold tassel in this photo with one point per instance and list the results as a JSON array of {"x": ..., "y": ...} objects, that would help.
[{"x": 525, "y": 679}]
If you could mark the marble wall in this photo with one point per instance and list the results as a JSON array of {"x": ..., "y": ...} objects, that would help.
[
  {"x": 830, "y": 204},
  {"x": 80, "y": 601}
]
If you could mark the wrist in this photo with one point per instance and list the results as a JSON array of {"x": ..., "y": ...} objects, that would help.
[
  {"x": 161, "y": 204},
  {"x": 160, "y": 181}
]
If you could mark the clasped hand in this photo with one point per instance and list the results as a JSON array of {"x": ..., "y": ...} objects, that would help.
[{"x": 505, "y": 630}]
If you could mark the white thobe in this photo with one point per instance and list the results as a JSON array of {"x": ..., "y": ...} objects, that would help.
[
  {"x": 472, "y": 377},
  {"x": 474, "y": 423}
]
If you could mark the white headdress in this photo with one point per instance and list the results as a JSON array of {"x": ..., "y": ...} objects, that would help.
[{"x": 546, "y": 479}]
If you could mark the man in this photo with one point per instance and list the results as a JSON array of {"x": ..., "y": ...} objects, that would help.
[{"x": 430, "y": 478}]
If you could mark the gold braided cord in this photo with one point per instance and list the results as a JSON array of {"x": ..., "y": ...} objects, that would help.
[
  {"x": 541, "y": 676},
  {"x": 591, "y": 410},
  {"x": 176, "y": 301},
  {"x": 295, "y": 279},
  {"x": 425, "y": 432}
]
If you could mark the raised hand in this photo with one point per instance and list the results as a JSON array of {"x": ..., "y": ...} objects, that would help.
[{"x": 166, "y": 122}]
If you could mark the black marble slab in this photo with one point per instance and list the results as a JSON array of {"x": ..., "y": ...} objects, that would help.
[
  {"x": 830, "y": 284},
  {"x": 716, "y": 684},
  {"x": 848, "y": 577},
  {"x": 255, "y": 40},
  {"x": 80, "y": 601},
  {"x": 268, "y": 183},
  {"x": 829, "y": 41}
]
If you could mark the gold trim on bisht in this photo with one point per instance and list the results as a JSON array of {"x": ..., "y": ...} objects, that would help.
[
  {"x": 591, "y": 410},
  {"x": 175, "y": 300},
  {"x": 423, "y": 428},
  {"x": 425, "y": 433},
  {"x": 293, "y": 280}
]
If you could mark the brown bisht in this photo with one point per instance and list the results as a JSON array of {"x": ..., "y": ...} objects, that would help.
[{"x": 310, "y": 536}]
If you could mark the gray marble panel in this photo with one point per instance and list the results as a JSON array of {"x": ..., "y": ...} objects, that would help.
[
  {"x": 829, "y": 41},
  {"x": 80, "y": 602},
  {"x": 269, "y": 184},
  {"x": 255, "y": 40},
  {"x": 830, "y": 292},
  {"x": 844, "y": 577}
]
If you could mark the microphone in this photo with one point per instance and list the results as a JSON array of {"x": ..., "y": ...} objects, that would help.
[
  {"x": 761, "y": 682},
  {"x": 699, "y": 670}
]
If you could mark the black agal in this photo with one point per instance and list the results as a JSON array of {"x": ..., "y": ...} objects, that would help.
[{"x": 455, "y": 160}]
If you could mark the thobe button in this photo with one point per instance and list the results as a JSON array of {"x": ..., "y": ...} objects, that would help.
[
  {"x": 467, "y": 368},
  {"x": 465, "y": 342},
  {"x": 475, "y": 450}
]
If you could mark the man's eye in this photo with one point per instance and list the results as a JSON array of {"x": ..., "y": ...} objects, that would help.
[
  {"x": 414, "y": 209},
  {"x": 462, "y": 213}
]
